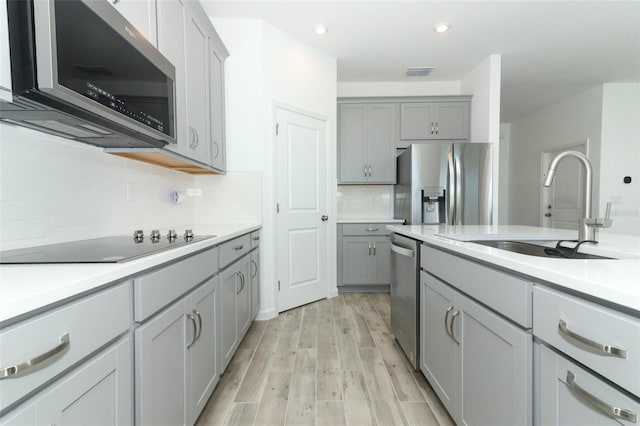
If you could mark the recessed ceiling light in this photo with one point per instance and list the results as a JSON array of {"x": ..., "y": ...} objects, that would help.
[
  {"x": 320, "y": 29},
  {"x": 441, "y": 27}
]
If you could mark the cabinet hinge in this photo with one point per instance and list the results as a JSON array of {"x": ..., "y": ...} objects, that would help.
[
  {"x": 278, "y": 285},
  {"x": 277, "y": 129}
]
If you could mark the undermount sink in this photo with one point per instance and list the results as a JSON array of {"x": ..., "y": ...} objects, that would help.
[{"x": 532, "y": 249}]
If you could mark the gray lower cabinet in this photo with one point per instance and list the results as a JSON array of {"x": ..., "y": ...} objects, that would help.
[
  {"x": 479, "y": 364},
  {"x": 364, "y": 257},
  {"x": 175, "y": 359},
  {"x": 367, "y": 135},
  {"x": 98, "y": 392},
  {"x": 434, "y": 121},
  {"x": 235, "y": 309}
]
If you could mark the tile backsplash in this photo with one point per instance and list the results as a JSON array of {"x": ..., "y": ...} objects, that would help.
[
  {"x": 54, "y": 190},
  {"x": 365, "y": 201}
]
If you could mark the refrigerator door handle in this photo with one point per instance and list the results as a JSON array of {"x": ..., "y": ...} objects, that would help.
[
  {"x": 451, "y": 189},
  {"x": 459, "y": 190}
]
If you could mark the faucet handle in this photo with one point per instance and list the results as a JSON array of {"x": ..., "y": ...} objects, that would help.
[
  {"x": 606, "y": 222},
  {"x": 599, "y": 222}
]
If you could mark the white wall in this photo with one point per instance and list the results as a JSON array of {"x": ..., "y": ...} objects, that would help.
[
  {"x": 291, "y": 73},
  {"x": 620, "y": 156},
  {"x": 561, "y": 124},
  {"x": 483, "y": 82},
  {"x": 398, "y": 88}
]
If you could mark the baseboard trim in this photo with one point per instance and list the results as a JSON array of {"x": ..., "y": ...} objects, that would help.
[{"x": 266, "y": 315}]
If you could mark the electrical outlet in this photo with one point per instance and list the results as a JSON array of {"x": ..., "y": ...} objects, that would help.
[{"x": 131, "y": 191}]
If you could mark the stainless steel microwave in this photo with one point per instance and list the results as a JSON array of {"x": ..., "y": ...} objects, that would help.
[{"x": 82, "y": 71}]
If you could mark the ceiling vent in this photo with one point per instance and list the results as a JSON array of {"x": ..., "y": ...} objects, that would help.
[{"x": 419, "y": 71}]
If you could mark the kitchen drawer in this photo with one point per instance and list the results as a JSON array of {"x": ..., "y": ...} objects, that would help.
[
  {"x": 255, "y": 239},
  {"x": 157, "y": 289},
  {"x": 234, "y": 249},
  {"x": 62, "y": 337},
  {"x": 506, "y": 294},
  {"x": 365, "y": 229},
  {"x": 565, "y": 321},
  {"x": 566, "y": 395}
]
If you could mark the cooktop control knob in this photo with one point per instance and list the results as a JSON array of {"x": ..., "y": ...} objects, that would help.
[
  {"x": 155, "y": 236},
  {"x": 172, "y": 235},
  {"x": 138, "y": 236},
  {"x": 188, "y": 235}
]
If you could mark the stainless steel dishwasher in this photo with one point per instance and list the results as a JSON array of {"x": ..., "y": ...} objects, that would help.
[{"x": 405, "y": 295}]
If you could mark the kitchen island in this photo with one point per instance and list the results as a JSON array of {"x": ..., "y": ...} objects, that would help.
[{"x": 509, "y": 338}]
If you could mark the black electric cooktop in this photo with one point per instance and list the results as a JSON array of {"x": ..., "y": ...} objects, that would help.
[{"x": 98, "y": 250}]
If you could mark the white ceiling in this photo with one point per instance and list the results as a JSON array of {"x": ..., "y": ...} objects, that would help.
[{"x": 550, "y": 50}]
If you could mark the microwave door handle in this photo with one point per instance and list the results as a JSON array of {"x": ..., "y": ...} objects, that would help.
[
  {"x": 459, "y": 189},
  {"x": 451, "y": 196}
]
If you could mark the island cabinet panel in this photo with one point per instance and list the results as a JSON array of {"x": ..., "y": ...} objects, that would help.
[
  {"x": 571, "y": 395},
  {"x": 604, "y": 340},
  {"x": 478, "y": 363}
]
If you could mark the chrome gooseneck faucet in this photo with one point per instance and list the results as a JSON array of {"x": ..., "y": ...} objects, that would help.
[{"x": 585, "y": 232}]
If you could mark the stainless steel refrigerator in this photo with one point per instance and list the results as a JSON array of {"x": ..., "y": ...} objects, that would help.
[
  {"x": 436, "y": 183},
  {"x": 445, "y": 183}
]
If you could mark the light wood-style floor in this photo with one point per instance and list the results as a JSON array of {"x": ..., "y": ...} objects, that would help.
[{"x": 331, "y": 362}]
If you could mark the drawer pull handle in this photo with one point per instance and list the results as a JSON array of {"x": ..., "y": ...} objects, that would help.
[
  {"x": 256, "y": 238},
  {"x": 607, "y": 349},
  {"x": 195, "y": 330},
  {"x": 615, "y": 412},
  {"x": 373, "y": 229},
  {"x": 238, "y": 248},
  {"x": 5, "y": 372},
  {"x": 453, "y": 317}
]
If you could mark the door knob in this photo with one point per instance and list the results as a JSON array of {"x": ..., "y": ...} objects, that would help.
[{"x": 324, "y": 218}]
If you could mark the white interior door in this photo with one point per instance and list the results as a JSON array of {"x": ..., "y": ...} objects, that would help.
[
  {"x": 562, "y": 201},
  {"x": 301, "y": 176}
]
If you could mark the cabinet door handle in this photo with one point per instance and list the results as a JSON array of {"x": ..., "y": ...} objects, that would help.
[
  {"x": 244, "y": 281},
  {"x": 373, "y": 229},
  {"x": 374, "y": 249},
  {"x": 563, "y": 327},
  {"x": 13, "y": 370},
  {"x": 369, "y": 170},
  {"x": 196, "y": 313},
  {"x": 217, "y": 149},
  {"x": 437, "y": 128},
  {"x": 369, "y": 249},
  {"x": 615, "y": 412},
  {"x": 239, "y": 275},
  {"x": 446, "y": 324},
  {"x": 195, "y": 329},
  {"x": 238, "y": 248},
  {"x": 453, "y": 317},
  {"x": 432, "y": 128},
  {"x": 253, "y": 262},
  {"x": 365, "y": 170}
]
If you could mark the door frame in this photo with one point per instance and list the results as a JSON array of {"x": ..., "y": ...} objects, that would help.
[
  {"x": 331, "y": 202},
  {"x": 545, "y": 159}
]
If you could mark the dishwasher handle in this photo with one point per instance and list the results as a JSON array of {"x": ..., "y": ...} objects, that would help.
[{"x": 403, "y": 251}]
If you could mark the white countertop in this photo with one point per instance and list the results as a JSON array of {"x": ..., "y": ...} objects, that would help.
[
  {"x": 613, "y": 280},
  {"x": 24, "y": 288},
  {"x": 357, "y": 220}
]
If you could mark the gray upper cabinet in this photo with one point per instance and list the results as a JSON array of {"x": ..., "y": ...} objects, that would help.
[
  {"x": 187, "y": 38},
  {"x": 433, "y": 121},
  {"x": 367, "y": 137}
]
